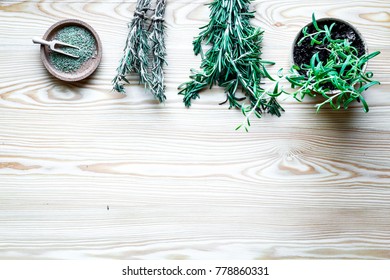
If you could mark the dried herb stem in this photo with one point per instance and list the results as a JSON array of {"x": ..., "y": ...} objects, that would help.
[
  {"x": 157, "y": 38},
  {"x": 135, "y": 58}
]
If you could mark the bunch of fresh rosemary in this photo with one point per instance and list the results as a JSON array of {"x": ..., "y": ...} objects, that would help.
[
  {"x": 140, "y": 43},
  {"x": 340, "y": 78},
  {"x": 233, "y": 60}
]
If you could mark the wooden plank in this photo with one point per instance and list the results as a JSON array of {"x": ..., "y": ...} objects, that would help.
[{"x": 85, "y": 173}]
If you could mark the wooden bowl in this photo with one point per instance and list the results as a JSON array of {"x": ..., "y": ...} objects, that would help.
[{"x": 87, "y": 68}]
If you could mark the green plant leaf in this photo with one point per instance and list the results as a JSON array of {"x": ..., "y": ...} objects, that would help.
[
  {"x": 296, "y": 67},
  {"x": 368, "y": 85},
  {"x": 313, "y": 18},
  {"x": 313, "y": 60},
  {"x": 367, "y": 57},
  {"x": 276, "y": 89},
  {"x": 345, "y": 64},
  {"x": 346, "y": 103},
  {"x": 280, "y": 73},
  {"x": 267, "y": 62},
  {"x": 294, "y": 81},
  {"x": 365, "y": 105}
]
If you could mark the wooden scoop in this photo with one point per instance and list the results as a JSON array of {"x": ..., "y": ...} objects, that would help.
[{"x": 53, "y": 45}]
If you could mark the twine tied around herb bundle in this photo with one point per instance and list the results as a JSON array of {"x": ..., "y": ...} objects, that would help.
[
  {"x": 140, "y": 14},
  {"x": 156, "y": 18}
]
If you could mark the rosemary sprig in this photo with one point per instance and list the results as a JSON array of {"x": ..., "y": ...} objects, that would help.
[
  {"x": 157, "y": 38},
  {"x": 340, "y": 79},
  {"x": 233, "y": 60},
  {"x": 136, "y": 52}
]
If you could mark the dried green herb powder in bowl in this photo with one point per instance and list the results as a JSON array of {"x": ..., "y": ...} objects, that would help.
[{"x": 79, "y": 37}]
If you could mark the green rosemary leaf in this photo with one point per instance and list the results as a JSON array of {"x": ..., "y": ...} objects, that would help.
[
  {"x": 275, "y": 91},
  {"x": 305, "y": 35},
  {"x": 280, "y": 73},
  {"x": 313, "y": 61},
  {"x": 296, "y": 67},
  {"x": 369, "y": 75},
  {"x": 315, "y": 22},
  {"x": 347, "y": 102},
  {"x": 366, "y": 77},
  {"x": 314, "y": 40},
  {"x": 265, "y": 73},
  {"x": 366, "y": 86},
  {"x": 267, "y": 62},
  {"x": 345, "y": 64},
  {"x": 367, "y": 57},
  {"x": 365, "y": 105},
  {"x": 295, "y": 80}
]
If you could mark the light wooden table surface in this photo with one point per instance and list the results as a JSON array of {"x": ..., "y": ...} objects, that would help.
[{"x": 85, "y": 173}]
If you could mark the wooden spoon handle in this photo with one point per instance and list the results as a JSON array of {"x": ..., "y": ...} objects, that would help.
[{"x": 38, "y": 40}]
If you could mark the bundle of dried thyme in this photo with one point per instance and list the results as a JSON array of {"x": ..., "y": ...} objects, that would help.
[{"x": 146, "y": 36}]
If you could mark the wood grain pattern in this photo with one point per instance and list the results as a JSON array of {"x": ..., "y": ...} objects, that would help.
[{"x": 85, "y": 173}]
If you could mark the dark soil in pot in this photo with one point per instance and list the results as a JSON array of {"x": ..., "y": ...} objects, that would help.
[{"x": 341, "y": 30}]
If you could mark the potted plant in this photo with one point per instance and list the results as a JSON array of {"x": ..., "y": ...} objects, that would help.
[{"x": 329, "y": 59}]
